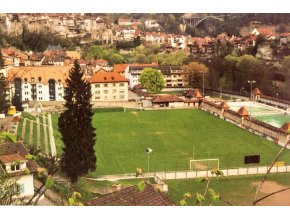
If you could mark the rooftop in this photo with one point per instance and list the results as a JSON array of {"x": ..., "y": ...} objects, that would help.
[{"x": 131, "y": 196}]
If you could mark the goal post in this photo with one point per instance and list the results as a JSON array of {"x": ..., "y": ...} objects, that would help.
[{"x": 204, "y": 164}]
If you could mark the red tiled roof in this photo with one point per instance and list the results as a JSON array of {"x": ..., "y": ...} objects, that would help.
[
  {"x": 10, "y": 158},
  {"x": 224, "y": 105},
  {"x": 166, "y": 98},
  {"x": 107, "y": 77},
  {"x": 285, "y": 128},
  {"x": 119, "y": 68},
  {"x": 243, "y": 111},
  {"x": 101, "y": 61},
  {"x": 18, "y": 148},
  {"x": 257, "y": 92},
  {"x": 131, "y": 196},
  {"x": 265, "y": 31},
  {"x": 193, "y": 93}
]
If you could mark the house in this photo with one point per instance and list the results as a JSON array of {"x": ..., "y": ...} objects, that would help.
[
  {"x": 14, "y": 163},
  {"x": 166, "y": 100},
  {"x": 102, "y": 63},
  {"x": 43, "y": 83},
  {"x": 120, "y": 68},
  {"x": 109, "y": 86},
  {"x": 131, "y": 196},
  {"x": 173, "y": 76},
  {"x": 193, "y": 97}
]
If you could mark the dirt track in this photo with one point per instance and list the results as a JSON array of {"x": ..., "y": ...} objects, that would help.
[{"x": 279, "y": 199}]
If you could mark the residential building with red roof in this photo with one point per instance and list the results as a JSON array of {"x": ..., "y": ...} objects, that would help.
[
  {"x": 109, "y": 86},
  {"x": 39, "y": 83},
  {"x": 14, "y": 164}
]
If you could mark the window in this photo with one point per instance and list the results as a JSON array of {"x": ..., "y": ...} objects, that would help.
[
  {"x": 39, "y": 86},
  {"x": 106, "y": 98},
  {"x": 40, "y": 98},
  {"x": 40, "y": 92},
  {"x": 15, "y": 167},
  {"x": 60, "y": 94},
  {"x": 114, "y": 91},
  {"x": 106, "y": 91},
  {"x": 114, "y": 97},
  {"x": 26, "y": 99},
  {"x": 59, "y": 88},
  {"x": 114, "y": 84},
  {"x": 26, "y": 87},
  {"x": 122, "y": 91},
  {"x": 32, "y": 79},
  {"x": 122, "y": 96},
  {"x": 97, "y": 85},
  {"x": 97, "y": 97},
  {"x": 105, "y": 85},
  {"x": 97, "y": 92},
  {"x": 39, "y": 79}
]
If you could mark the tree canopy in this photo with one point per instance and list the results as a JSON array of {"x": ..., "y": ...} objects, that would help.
[
  {"x": 152, "y": 80},
  {"x": 194, "y": 72}
]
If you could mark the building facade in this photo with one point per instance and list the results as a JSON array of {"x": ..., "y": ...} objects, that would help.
[
  {"x": 38, "y": 83},
  {"x": 109, "y": 86}
]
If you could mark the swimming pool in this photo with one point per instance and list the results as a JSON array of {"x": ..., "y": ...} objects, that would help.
[{"x": 270, "y": 115}]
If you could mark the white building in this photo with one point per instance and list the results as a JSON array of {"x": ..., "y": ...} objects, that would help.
[
  {"x": 14, "y": 164},
  {"x": 44, "y": 83},
  {"x": 109, "y": 86}
]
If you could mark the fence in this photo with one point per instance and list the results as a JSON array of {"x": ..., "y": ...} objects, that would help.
[
  {"x": 227, "y": 172},
  {"x": 190, "y": 174}
]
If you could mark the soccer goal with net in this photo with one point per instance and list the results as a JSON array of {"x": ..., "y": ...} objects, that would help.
[{"x": 204, "y": 164}]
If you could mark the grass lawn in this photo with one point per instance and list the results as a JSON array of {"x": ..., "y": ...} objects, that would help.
[
  {"x": 236, "y": 190},
  {"x": 122, "y": 138}
]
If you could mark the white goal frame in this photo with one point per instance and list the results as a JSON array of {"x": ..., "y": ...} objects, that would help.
[{"x": 204, "y": 160}]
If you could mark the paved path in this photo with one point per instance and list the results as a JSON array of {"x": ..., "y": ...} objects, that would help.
[
  {"x": 38, "y": 134},
  {"x": 51, "y": 136},
  {"x": 45, "y": 136},
  {"x": 31, "y": 133},
  {"x": 23, "y": 129}
]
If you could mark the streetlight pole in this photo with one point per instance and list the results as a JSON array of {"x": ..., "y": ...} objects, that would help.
[
  {"x": 251, "y": 82},
  {"x": 148, "y": 151}
]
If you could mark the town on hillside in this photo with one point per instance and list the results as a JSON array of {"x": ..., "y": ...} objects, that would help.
[{"x": 135, "y": 109}]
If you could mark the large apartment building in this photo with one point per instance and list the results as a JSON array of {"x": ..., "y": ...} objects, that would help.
[
  {"x": 43, "y": 83},
  {"x": 109, "y": 86},
  {"x": 173, "y": 75}
]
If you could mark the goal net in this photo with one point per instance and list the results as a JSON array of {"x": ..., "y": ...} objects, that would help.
[{"x": 204, "y": 164}]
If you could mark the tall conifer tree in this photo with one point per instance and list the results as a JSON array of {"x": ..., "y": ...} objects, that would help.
[{"x": 75, "y": 125}]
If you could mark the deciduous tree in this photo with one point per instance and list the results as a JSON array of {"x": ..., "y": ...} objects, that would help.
[
  {"x": 152, "y": 80},
  {"x": 194, "y": 72}
]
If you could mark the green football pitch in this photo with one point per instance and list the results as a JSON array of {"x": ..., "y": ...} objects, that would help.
[{"x": 173, "y": 135}]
